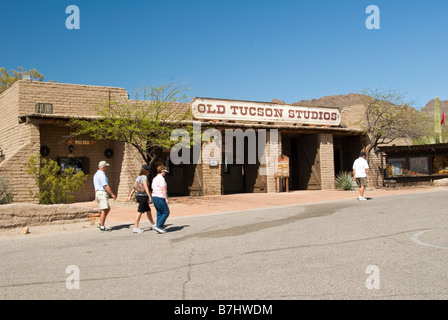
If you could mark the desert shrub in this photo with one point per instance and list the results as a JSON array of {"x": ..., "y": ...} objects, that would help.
[
  {"x": 54, "y": 186},
  {"x": 344, "y": 181},
  {"x": 6, "y": 194}
]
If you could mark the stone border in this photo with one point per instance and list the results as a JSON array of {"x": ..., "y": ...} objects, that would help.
[{"x": 19, "y": 215}]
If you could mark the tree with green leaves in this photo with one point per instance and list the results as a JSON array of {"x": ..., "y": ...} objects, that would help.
[
  {"x": 389, "y": 117},
  {"x": 145, "y": 123},
  {"x": 54, "y": 186},
  {"x": 8, "y": 78}
]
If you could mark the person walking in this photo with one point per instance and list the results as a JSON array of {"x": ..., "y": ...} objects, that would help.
[
  {"x": 160, "y": 198},
  {"x": 361, "y": 173},
  {"x": 143, "y": 197},
  {"x": 102, "y": 192}
]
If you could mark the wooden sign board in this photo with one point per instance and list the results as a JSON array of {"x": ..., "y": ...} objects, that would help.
[{"x": 283, "y": 167}]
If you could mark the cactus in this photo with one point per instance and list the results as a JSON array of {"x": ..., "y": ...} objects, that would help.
[
  {"x": 344, "y": 181},
  {"x": 437, "y": 125}
]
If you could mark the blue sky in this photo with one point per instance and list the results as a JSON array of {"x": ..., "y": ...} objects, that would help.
[{"x": 234, "y": 49}]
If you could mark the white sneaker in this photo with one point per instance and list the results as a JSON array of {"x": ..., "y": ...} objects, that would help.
[
  {"x": 361, "y": 198},
  {"x": 137, "y": 230},
  {"x": 159, "y": 230}
]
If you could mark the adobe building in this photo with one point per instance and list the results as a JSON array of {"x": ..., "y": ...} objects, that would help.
[{"x": 318, "y": 142}]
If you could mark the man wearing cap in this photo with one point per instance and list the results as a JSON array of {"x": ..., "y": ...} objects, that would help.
[
  {"x": 102, "y": 192},
  {"x": 361, "y": 172}
]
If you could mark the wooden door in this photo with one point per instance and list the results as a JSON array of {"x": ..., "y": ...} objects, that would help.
[{"x": 309, "y": 163}]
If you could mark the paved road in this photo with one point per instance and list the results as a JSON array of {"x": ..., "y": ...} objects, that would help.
[{"x": 385, "y": 248}]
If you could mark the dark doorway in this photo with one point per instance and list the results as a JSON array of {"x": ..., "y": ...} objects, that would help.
[
  {"x": 241, "y": 175},
  {"x": 337, "y": 161},
  {"x": 304, "y": 170}
]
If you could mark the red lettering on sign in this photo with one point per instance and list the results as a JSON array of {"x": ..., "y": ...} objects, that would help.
[
  {"x": 278, "y": 113},
  {"x": 334, "y": 116},
  {"x": 245, "y": 110},
  {"x": 257, "y": 112},
  {"x": 221, "y": 109},
  {"x": 210, "y": 109}
]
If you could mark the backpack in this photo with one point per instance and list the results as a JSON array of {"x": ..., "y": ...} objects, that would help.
[{"x": 138, "y": 186}]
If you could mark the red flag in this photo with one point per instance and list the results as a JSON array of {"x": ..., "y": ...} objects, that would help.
[{"x": 443, "y": 118}]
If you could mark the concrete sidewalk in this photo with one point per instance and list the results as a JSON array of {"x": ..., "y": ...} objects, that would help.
[{"x": 124, "y": 212}]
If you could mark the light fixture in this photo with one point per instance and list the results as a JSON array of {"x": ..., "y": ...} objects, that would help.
[
  {"x": 108, "y": 153},
  {"x": 44, "y": 151}
]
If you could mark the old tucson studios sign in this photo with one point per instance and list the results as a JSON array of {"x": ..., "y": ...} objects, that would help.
[{"x": 214, "y": 109}]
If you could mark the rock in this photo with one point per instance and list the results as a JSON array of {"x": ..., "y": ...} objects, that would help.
[
  {"x": 441, "y": 182},
  {"x": 25, "y": 230},
  {"x": 390, "y": 183}
]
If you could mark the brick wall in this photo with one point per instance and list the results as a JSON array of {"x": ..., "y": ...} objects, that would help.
[
  {"x": 11, "y": 136},
  {"x": 173, "y": 110},
  {"x": 326, "y": 156},
  {"x": 19, "y": 141},
  {"x": 211, "y": 175},
  {"x": 130, "y": 168},
  {"x": 14, "y": 167},
  {"x": 272, "y": 147},
  {"x": 376, "y": 176},
  {"x": 67, "y": 99}
]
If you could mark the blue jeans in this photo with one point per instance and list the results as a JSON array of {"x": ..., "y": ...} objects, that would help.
[{"x": 162, "y": 211}]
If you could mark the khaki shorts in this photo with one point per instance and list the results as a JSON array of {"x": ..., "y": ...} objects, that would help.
[
  {"x": 361, "y": 182},
  {"x": 102, "y": 197}
]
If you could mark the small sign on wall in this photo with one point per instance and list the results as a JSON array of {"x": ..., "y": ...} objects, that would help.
[
  {"x": 213, "y": 162},
  {"x": 81, "y": 142}
]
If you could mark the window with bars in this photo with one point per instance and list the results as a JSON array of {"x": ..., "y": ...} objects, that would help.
[{"x": 44, "y": 108}]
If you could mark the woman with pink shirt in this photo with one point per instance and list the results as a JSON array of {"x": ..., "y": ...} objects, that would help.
[{"x": 160, "y": 199}]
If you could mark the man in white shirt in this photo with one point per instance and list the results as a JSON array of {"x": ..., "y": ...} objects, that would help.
[
  {"x": 102, "y": 192},
  {"x": 361, "y": 173}
]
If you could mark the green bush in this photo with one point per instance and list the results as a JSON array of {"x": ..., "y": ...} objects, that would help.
[
  {"x": 54, "y": 186},
  {"x": 344, "y": 181},
  {"x": 6, "y": 195}
]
